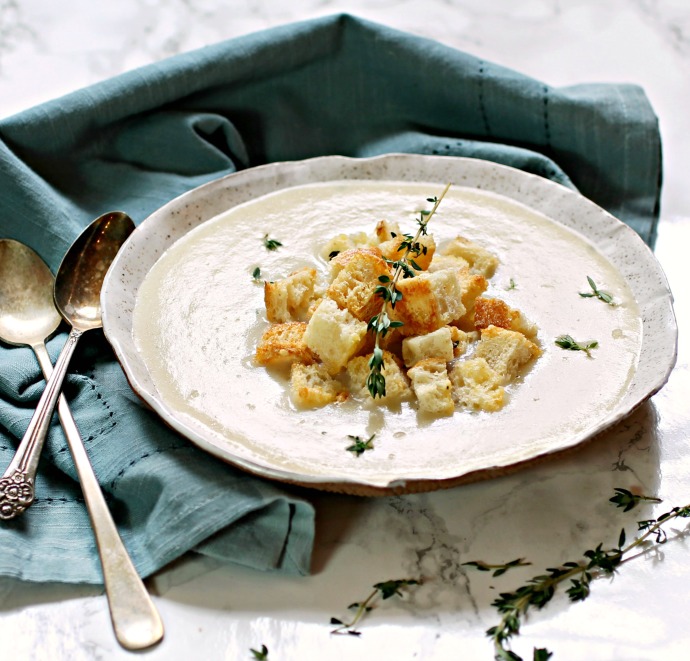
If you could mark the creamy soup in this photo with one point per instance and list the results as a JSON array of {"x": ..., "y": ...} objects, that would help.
[{"x": 200, "y": 313}]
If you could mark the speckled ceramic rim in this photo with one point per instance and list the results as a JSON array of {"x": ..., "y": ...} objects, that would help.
[{"x": 620, "y": 244}]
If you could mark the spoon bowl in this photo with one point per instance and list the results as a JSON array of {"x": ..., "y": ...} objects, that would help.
[
  {"x": 82, "y": 271},
  {"x": 27, "y": 313}
]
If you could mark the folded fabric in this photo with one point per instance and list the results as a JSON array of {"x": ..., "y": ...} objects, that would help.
[{"x": 338, "y": 85}]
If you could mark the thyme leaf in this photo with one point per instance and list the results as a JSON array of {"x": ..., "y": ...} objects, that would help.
[
  {"x": 567, "y": 342},
  {"x": 256, "y": 273},
  {"x": 498, "y": 570},
  {"x": 271, "y": 244},
  {"x": 388, "y": 292},
  {"x": 360, "y": 446},
  {"x": 260, "y": 655},
  {"x": 597, "y": 293}
]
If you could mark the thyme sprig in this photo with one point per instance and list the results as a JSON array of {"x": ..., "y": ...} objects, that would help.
[
  {"x": 360, "y": 446},
  {"x": 386, "y": 589},
  {"x": 567, "y": 342},
  {"x": 596, "y": 563},
  {"x": 271, "y": 244},
  {"x": 388, "y": 292},
  {"x": 627, "y": 499},
  {"x": 597, "y": 293}
]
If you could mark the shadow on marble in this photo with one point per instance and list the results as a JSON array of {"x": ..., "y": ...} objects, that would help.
[{"x": 548, "y": 514}]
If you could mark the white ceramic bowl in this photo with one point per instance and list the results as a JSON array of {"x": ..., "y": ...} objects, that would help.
[{"x": 616, "y": 241}]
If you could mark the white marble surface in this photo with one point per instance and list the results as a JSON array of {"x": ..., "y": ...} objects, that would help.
[{"x": 548, "y": 514}]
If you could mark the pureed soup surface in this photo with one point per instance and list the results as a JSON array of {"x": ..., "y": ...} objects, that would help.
[{"x": 200, "y": 314}]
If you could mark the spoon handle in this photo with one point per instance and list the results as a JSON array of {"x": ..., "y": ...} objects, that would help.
[
  {"x": 17, "y": 483},
  {"x": 135, "y": 619}
]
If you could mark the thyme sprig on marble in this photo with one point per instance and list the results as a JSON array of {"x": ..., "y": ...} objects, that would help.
[
  {"x": 388, "y": 292},
  {"x": 597, "y": 293},
  {"x": 627, "y": 499},
  {"x": 595, "y": 563},
  {"x": 386, "y": 589}
]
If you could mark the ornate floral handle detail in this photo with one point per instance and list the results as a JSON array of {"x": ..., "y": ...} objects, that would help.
[
  {"x": 16, "y": 494},
  {"x": 17, "y": 483}
]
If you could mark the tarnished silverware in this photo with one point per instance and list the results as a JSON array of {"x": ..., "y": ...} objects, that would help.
[{"x": 28, "y": 316}]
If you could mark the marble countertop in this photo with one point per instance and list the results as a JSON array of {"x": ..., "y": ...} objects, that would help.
[{"x": 548, "y": 514}]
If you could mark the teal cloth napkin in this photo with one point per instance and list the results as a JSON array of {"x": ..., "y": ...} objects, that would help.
[{"x": 337, "y": 85}]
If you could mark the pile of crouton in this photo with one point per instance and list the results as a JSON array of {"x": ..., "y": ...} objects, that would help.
[{"x": 455, "y": 349}]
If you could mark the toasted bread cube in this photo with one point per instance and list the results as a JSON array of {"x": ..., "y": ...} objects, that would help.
[
  {"x": 283, "y": 344},
  {"x": 481, "y": 261},
  {"x": 505, "y": 351},
  {"x": 334, "y": 335},
  {"x": 312, "y": 386},
  {"x": 494, "y": 312},
  {"x": 391, "y": 250},
  {"x": 397, "y": 384},
  {"x": 354, "y": 286},
  {"x": 476, "y": 385},
  {"x": 342, "y": 243},
  {"x": 441, "y": 262},
  {"x": 341, "y": 260},
  {"x": 289, "y": 299},
  {"x": 473, "y": 285},
  {"x": 386, "y": 230},
  {"x": 437, "y": 344},
  {"x": 430, "y": 300},
  {"x": 432, "y": 386}
]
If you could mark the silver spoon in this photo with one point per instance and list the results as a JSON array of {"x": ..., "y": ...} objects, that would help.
[
  {"x": 76, "y": 294},
  {"x": 27, "y": 317}
]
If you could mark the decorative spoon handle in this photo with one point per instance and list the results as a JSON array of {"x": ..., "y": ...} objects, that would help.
[
  {"x": 135, "y": 619},
  {"x": 17, "y": 484}
]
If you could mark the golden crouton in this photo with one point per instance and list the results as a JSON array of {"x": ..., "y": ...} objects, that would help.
[
  {"x": 283, "y": 344},
  {"x": 441, "y": 262},
  {"x": 437, "y": 344},
  {"x": 481, "y": 261},
  {"x": 476, "y": 385},
  {"x": 494, "y": 312},
  {"x": 432, "y": 386},
  {"x": 312, "y": 386},
  {"x": 341, "y": 260},
  {"x": 472, "y": 285},
  {"x": 397, "y": 385},
  {"x": 343, "y": 242},
  {"x": 334, "y": 335},
  {"x": 391, "y": 250},
  {"x": 289, "y": 299},
  {"x": 354, "y": 286},
  {"x": 386, "y": 230},
  {"x": 505, "y": 351},
  {"x": 430, "y": 300}
]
